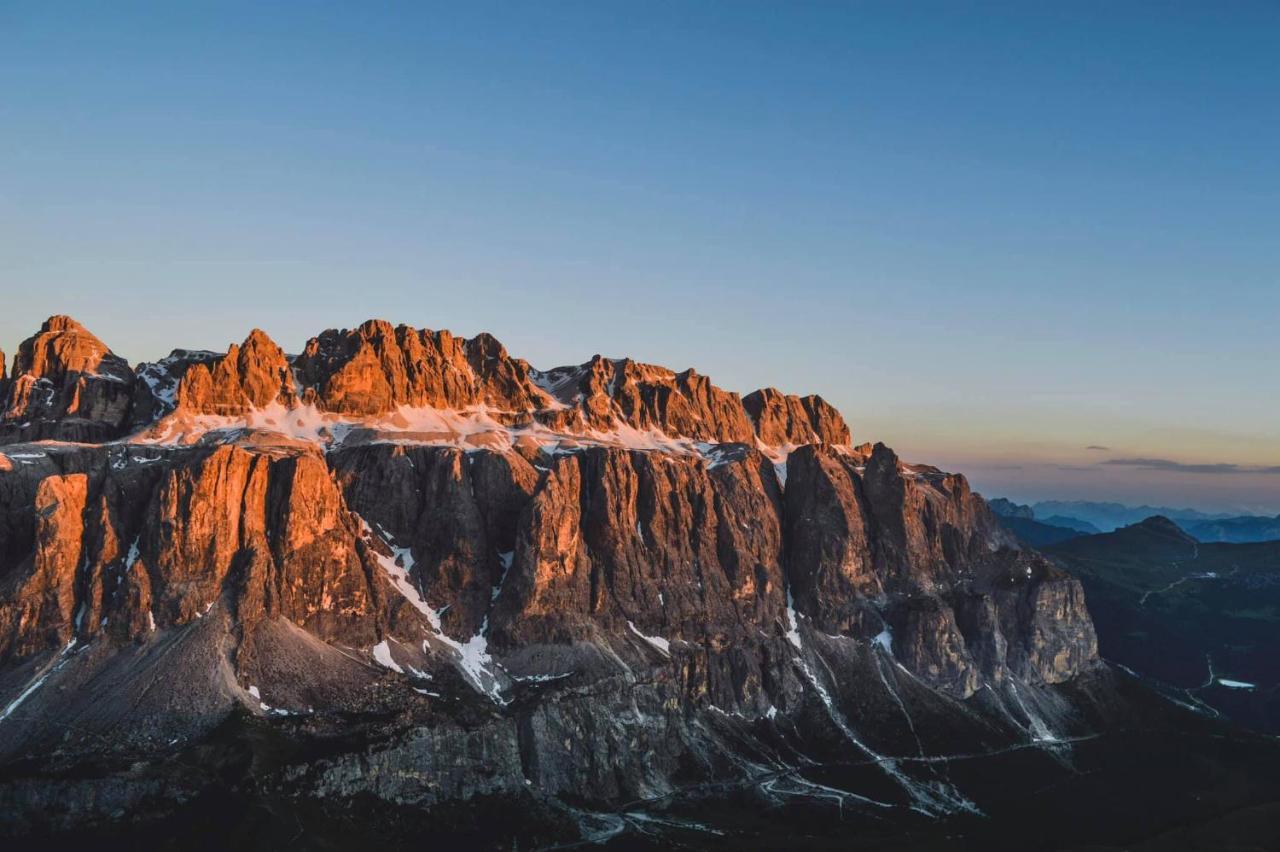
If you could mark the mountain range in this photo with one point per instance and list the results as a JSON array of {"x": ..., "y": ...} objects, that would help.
[
  {"x": 1022, "y": 522},
  {"x": 404, "y": 585},
  {"x": 1236, "y": 530},
  {"x": 1105, "y": 517},
  {"x": 1037, "y": 528}
]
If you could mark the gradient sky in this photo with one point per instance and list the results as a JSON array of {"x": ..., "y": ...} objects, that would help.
[{"x": 993, "y": 235}]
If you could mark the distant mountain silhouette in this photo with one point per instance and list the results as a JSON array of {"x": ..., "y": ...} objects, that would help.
[
  {"x": 1238, "y": 530},
  {"x": 1021, "y": 521},
  {"x": 1110, "y": 516},
  {"x": 1071, "y": 524},
  {"x": 1036, "y": 533}
]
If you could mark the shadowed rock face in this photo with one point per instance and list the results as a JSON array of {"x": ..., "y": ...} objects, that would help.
[
  {"x": 65, "y": 385},
  {"x": 456, "y": 512},
  {"x": 586, "y": 617}
]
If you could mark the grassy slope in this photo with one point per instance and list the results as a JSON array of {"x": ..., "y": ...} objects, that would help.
[{"x": 1167, "y": 607}]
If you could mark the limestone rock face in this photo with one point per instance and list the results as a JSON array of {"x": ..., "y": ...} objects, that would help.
[
  {"x": 831, "y": 539},
  {"x": 646, "y": 545},
  {"x": 875, "y": 545},
  {"x": 135, "y": 548},
  {"x": 646, "y": 397},
  {"x": 665, "y": 543},
  {"x": 255, "y": 374},
  {"x": 376, "y": 367},
  {"x": 456, "y": 513},
  {"x": 66, "y": 385},
  {"x": 38, "y": 605},
  {"x": 782, "y": 419},
  {"x": 933, "y": 524},
  {"x": 604, "y": 391}
]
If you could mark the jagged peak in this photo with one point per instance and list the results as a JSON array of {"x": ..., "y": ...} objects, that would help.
[
  {"x": 883, "y": 454},
  {"x": 64, "y": 346},
  {"x": 781, "y": 418},
  {"x": 251, "y": 375},
  {"x": 61, "y": 323},
  {"x": 66, "y": 384},
  {"x": 258, "y": 338},
  {"x": 378, "y": 369}
]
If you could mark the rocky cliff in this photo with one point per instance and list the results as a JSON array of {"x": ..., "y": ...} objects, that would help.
[
  {"x": 456, "y": 576},
  {"x": 65, "y": 385}
]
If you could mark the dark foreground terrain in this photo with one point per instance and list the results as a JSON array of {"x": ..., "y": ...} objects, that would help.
[
  {"x": 1200, "y": 621},
  {"x": 1165, "y": 783}
]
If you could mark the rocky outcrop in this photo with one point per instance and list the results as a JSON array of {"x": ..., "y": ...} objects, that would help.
[
  {"x": 65, "y": 385},
  {"x": 375, "y": 368},
  {"x": 781, "y": 419},
  {"x": 603, "y": 392},
  {"x": 882, "y": 549},
  {"x": 142, "y": 544},
  {"x": 38, "y": 602},
  {"x": 456, "y": 513},
  {"x": 670, "y": 545},
  {"x": 652, "y": 398},
  {"x": 253, "y": 375}
]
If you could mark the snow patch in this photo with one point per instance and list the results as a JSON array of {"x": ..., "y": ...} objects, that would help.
[
  {"x": 793, "y": 622},
  {"x": 382, "y": 655},
  {"x": 1236, "y": 684},
  {"x": 472, "y": 656},
  {"x": 473, "y": 428},
  {"x": 1040, "y": 731},
  {"x": 39, "y": 681},
  {"x": 662, "y": 645}
]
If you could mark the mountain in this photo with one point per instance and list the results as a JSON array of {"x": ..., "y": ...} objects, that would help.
[
  {"x": 1237, "y": 530},
  {"x": 1202, "y": 620},
  {"x": 1036, "y": 534},
  {"x": 1071, "y": 524},
  {"x": 405, "y": 586},
  {"x": 1110, "y": 516},
  {"x": 1009, "y": 509},
  {"x": 1020, "y": 520}
]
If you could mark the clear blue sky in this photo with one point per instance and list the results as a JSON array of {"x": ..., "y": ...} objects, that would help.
[{"x": 992, "y": 234}]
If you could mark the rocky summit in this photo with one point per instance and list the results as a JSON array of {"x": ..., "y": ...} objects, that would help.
[{"x": 406, "y": 571}]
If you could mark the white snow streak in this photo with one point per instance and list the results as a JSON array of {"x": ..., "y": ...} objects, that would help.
[
  {"x": 472, "y": 656},
  {"x": 382, "y": 654},
  {"x": 662, "y": 645}
]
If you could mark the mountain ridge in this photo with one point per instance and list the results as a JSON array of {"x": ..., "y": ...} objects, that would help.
[
  {"x": 376, "y": 369},
  {"x": 572, "y": 590}
]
